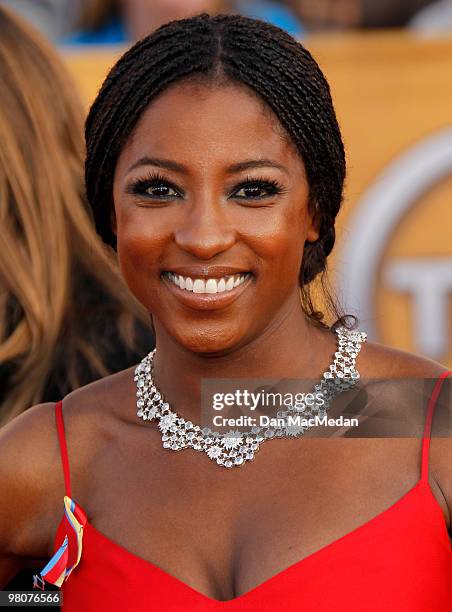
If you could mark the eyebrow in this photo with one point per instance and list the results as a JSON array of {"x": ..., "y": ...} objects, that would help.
[{"x": 176, "y": 167}]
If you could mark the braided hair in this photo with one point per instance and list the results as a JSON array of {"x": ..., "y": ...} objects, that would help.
[{"x": 240, "y": 49}]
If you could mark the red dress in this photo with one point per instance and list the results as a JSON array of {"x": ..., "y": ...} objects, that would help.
[{"x": 399, "y": 561}]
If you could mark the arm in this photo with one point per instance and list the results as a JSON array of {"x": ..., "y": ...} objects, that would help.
[{"x": 31, "y": 485}]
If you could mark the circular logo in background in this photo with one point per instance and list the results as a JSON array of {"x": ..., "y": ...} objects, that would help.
[{"x": 395, "y": 268}]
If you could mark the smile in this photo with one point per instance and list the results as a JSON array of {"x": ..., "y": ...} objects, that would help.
[{"x": 207, "y": 285}]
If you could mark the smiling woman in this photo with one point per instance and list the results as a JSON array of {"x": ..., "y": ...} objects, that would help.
[
  {"x": 223, "y": 90},
  {"x": 215, "y": 167},
  {"x": 230, "y": 232}
]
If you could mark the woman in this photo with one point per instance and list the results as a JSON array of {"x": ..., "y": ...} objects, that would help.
[
  {"x": 66, "y": 317},
  {"x": 215, "y": 166}
]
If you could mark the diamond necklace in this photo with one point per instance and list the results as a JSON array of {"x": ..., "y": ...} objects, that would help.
[{"x": 234, "y": 448}]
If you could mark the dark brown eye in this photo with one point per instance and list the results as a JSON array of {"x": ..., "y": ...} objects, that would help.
[
  {"x": 154, "y": 187},
  {"x": 160, "y": 190},
  {"x": 251, "y": 192},
  {"x": 256, "y": 189}
]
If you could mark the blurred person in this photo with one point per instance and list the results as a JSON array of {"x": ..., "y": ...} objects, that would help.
[
  {"x": 328, "y": 14},
  {"x": 143, "y": 16},
  {"x": 352, "y": 14},
  {"x": 97, "y": 22},
  {"x": 118, "y": 21},
  {"x": 66, "y": 317},
  {"x": 390, "y": 13}
]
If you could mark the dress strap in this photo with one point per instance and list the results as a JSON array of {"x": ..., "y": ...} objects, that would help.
[
  {"x": 69, "y": 536},
  {"x": 63, "y": 446},
  {"x": 428, "y": 424}
]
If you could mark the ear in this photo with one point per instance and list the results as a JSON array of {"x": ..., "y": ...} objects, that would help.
[
  {"x": 312, "y": 235},
  {"x": 313, "y": 230}
]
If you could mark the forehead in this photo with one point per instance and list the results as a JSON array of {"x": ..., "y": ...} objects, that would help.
[{"x": 201, "y": 124}]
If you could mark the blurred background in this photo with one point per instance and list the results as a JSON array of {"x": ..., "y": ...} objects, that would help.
[{"x": 118, "y": 21}]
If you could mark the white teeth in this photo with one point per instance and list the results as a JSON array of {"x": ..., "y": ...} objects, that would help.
[
  {"x": 230, "y": 283},
  {"x": 199, "y": 286},
  {"x": 211, "y": 285}
]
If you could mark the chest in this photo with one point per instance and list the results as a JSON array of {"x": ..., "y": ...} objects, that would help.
[{"x": 224, "y": 532}]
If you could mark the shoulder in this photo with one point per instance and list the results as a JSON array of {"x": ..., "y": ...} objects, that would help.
[
  {"x": 381, "y": 361},
  {"x": 378, "y": 360},
  {"x": 31, "y": 472},
  {"x": 93, "y": 416},
  {"x": 95, "y": 406}
]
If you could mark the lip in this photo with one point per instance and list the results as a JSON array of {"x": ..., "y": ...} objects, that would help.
[{"x": 206, "y": 301}]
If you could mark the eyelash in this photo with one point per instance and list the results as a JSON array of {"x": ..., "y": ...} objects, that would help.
[{"x": 139, "y": 187}]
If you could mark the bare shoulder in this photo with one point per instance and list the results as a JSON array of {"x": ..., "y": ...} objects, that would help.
[
  {"x": 382, "y": 361},
  {"x": 31, "y": 473},
  {"x": 93, "y": 415},
  {"x": 94, "y": 408}
]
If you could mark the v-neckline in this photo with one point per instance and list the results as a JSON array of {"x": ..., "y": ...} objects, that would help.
[{"x": 290, "y": 568}]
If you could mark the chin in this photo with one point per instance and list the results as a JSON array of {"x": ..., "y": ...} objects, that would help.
[{"x": 210, "y": 340}]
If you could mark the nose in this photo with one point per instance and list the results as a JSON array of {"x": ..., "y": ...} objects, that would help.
[{"x": 205, "y": 230}]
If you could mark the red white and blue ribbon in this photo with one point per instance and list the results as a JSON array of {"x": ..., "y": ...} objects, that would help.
[{"x": 69, "y": 540}]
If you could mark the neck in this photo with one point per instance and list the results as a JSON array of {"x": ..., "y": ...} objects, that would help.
[{"x": 291, "y": 347}]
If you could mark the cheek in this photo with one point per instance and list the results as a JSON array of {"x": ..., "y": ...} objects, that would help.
[
  {"x": 279, "y": 245},
  {"x": 140, "y": 244}
]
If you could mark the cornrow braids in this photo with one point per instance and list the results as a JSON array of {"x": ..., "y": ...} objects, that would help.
[{"x": 229, "y": 47}]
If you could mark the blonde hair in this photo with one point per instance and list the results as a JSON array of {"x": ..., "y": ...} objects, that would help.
[{"x": 49, "y": 251}]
